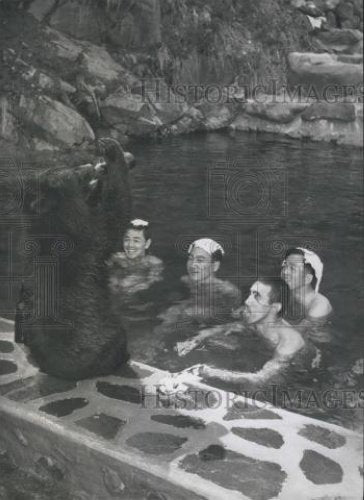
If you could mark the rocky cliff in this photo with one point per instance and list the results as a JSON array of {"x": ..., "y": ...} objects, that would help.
[{"x": 75, "y": 70}]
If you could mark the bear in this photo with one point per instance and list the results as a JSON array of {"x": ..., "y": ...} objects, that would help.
[{"x": 75, "y": 220}]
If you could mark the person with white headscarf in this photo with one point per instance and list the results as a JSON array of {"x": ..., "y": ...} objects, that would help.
[
  {"x": 302, "y": 270},
  {"x": 211, "y": 299}
]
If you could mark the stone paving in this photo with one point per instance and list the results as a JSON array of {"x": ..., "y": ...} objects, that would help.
[{"x": 122, "y": 440}]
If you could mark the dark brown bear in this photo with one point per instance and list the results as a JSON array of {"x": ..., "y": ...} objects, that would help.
[{"x": 77, "y": 216}]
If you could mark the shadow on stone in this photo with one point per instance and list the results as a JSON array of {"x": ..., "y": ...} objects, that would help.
[
  {"x": 121, "y": 392},
  {"x": 254, "y": 478},
  {"x": 181, "y": 421},
  {"x": 7, "y": 367},
  {"x": 64, "y": 407},
  {"x": 247, "y": 411},
  {"x": 102, "y": 425},
  {"x": 155, "y": 443},
  {"x": 323, "y": 436},
  {"x": 265, "y": 437},
  {"x": 319, "y": 469},
  {"x": 6, "y": 346}
]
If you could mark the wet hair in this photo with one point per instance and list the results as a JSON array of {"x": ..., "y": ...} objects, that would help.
[
  {"x": 145, "y": 230},
  {"x": 217, "y": 256},
  {"x": 278, "y": 289},
  {"x": 307, "y": 267}
]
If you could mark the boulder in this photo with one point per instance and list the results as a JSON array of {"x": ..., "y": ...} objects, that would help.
[
  {"x": 116, "y": 107},
  {"x": 132, "y": 113},
  {"x": 79, "y": 19},
  {"x": 93, "y": 60},
  {"x": 275, "y": 112},
  {"x": 324, "y": 79},
  {"x": 168, "y": 106},
  {"x": 54, "y": 121},
  {"x": 350, "y": 58},
  {"x": 330, "y": 111},
  {"x": 339, "y": 40}
]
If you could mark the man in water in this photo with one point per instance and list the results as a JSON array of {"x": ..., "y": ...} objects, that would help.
[
  {"x": 211, "y": 299},
  {"x": 134, "y": 269},
  {"x": 262, "y": 311},
  {"x": 302, "y": 270}
]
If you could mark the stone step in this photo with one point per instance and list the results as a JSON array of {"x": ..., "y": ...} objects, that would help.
[{"x": 120, "y": 437}]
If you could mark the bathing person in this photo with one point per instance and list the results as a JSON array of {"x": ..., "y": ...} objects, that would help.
[
  {"x": 210, "y": 299},
  {"x": 262, "y": 312},
  {"x": 134, "y": 269},
  {"x": 302, "y": 270}
]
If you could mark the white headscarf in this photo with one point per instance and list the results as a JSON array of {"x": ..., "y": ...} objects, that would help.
[
  {"x": 139, "y": 223},
  {"x": 316, "y": 264},
  {"x": 210, "y": 246}
]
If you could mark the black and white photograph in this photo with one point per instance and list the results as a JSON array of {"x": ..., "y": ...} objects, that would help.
[{"x": 181, "y": 250}]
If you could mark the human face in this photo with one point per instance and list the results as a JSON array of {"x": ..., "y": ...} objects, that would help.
[
  {"x": 200, "y": 265},
  {"x": 257, "y": 305},
  {"x": 135, "y": 244},
  {"x": 293, "y": 271}
]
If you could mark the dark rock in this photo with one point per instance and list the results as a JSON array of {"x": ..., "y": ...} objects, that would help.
[
  {"x": 156, "y": 443},
  {"x": 330, "y": 111},
  {"x": 47, "y": 466},
  {"x": 6, "y": 346},
  {"x": 321, "y": 80},
  {"x": 40, "y": 386},
  {"x": 350, "y": 58},
  {"x": 339, "y": 40},
  {"x": 181, "y": 421},
  {"x": 64, "y": 407},
  {"x": 57, "y": 123},
  {"x": 319, "y": 469},
  {"x": 212, "y": 452},
  {"x": 345, "y": 13},
  {"x": 254, "y": 478},
  {"x": 265, "y": 437},
  {"x": 7, "y": 367},
  {"x": 246, "y": 411},
  {"x": 323, "y": 436},
  {"x": 310, "y": 9},
  {"x": 113, "y": 482},
  {"x": 103, "y": 425},
  {"x": 122, "y": 392}
]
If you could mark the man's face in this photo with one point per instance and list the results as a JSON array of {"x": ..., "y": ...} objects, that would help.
[
  {"x": 257, "y": 305},
  {"x": 293, "y": 271},
  {"x": 200, "y": 265},
  {"x": 135, "y": 244}
]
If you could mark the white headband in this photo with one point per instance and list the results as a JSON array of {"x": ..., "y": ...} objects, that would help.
[
  {"x": 139, "y": 223},
  {"x": 210, "y": 246},
  {"x": 316, "y": 264}
]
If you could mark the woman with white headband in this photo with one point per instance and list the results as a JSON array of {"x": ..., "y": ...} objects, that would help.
[
  {"x": 134, "y": 269},
  {"x": 302, "y": 270}
]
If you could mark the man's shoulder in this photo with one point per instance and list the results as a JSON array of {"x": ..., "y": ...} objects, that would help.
[
  {"x": 226, "y": 286},
  {"x": 153, "y": 260},
  {"x": 320, "y": 307},
  {"x": 291, "y": 340}
]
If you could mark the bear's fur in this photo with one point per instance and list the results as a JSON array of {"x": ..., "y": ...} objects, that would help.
[{"x": 79, "y": 215}]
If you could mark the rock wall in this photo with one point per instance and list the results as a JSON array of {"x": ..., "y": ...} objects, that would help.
[{"x": 73, "y": 71}]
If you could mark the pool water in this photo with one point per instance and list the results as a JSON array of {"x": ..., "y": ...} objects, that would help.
[{"x": 257, "y": 195}]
